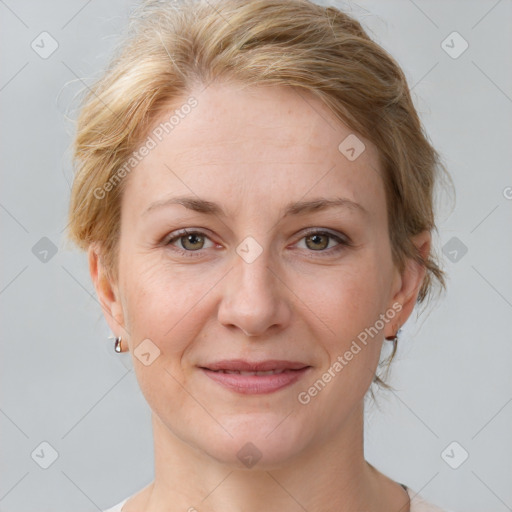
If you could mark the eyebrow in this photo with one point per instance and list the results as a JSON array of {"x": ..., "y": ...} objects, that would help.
[{"x": 295, "y": 208}]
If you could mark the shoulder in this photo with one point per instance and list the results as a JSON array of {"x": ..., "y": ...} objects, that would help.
[
  {"x": 419, "y": 504},
  {"x": 118, "y": 507},
  {"x": 137, "y": 500}
]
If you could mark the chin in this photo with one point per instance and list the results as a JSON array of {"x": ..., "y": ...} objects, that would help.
[{"x": 260, "y": 441}]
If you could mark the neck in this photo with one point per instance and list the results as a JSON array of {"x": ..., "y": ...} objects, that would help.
[{"x": 331, "y": 474}]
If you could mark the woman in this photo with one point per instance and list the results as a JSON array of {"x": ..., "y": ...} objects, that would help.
[{"x": 254, "y": 190}]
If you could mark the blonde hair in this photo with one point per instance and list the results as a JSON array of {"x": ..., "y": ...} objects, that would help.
[{"x": 173, "y": 46}]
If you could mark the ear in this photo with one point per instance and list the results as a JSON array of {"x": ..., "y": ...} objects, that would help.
[
  {"x": 408, "y": 283},
  {"x": 107, "y": 291}
]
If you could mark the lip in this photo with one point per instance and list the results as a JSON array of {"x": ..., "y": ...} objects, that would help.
[
  {"x": 290, "y": 372},
  {"x": 254, "y": 366}
]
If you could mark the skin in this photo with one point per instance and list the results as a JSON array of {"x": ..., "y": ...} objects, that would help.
[{"x": 253, "y": 151}]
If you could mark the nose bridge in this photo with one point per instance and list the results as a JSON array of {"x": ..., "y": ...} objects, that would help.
[
  {"x": 254, "y": 262},
  {"x": 255, "y": 280},
  {"x": 252, "y": 299}
]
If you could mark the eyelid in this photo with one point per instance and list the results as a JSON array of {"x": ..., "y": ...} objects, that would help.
[
  {"x": 341, "y": 236},
  {"x": 176, "y": 235}
]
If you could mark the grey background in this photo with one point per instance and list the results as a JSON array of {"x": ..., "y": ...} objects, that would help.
[{"x": 61, "y": 382}]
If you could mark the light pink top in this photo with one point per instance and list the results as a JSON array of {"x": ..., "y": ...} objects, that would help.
[{"x": 418, "y": 504}]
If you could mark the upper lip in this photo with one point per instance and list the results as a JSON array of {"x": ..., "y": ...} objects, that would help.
[{"x": 254, "y": 366}]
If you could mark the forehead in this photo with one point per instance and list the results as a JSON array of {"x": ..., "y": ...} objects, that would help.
[{"x": 252, "y": 144}]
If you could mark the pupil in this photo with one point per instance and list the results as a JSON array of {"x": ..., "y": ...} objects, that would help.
[
  {"x": 317, "y": 240},
  {"x": 192, "y": 239}
]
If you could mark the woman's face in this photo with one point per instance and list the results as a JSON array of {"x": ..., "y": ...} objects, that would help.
[{"x": 261, "y": 276}]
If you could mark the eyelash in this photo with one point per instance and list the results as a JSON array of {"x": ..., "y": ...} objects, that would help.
[{"x": 343, "y": 243}]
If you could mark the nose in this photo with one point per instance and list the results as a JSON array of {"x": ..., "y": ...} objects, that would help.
[{"x": 255, "y": 299}]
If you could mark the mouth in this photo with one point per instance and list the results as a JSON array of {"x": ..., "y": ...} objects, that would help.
[
  {"x": 257, "y": 377},
  {"x": 240, "y": 372}
]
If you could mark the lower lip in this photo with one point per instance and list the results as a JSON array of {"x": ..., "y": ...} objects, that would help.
[{"x": 256, "y": 384}]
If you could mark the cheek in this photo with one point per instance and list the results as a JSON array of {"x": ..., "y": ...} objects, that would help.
[
  {"x": 160, "y": 306},
  {"x": 163, "y": 302},
  {"x": 352, "y": 297},
  {"x": 351, "y": 305}
]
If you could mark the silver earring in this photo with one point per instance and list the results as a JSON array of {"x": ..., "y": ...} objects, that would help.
[{"x": 117, "y": 345}]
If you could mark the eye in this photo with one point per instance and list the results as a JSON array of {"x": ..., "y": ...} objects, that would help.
[
  {"x": 319, "y": 241},
  {"x": 190, "y": 241}
]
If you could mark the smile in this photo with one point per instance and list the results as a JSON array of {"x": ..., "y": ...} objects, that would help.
[{"x": 255, "y": 382}]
